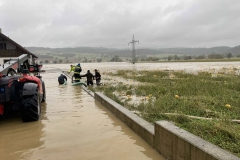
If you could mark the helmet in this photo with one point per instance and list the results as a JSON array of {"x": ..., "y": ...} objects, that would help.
[{"x": 78, "y": 64}]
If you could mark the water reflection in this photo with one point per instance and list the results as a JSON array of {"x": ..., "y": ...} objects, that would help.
[
  {"x": 43, "y": 111},
  {"x": 18, "y": 140},
  {"x": 123, "y": 130}
]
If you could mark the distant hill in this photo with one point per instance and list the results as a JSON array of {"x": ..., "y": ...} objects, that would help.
[
  {"x": 141, "y": 51},
  {"x": 73, "y": 50},
  {"x": 197, "y": 51},
  {"x": 146, "y": 51},
  {"x": 235, "y": 50}
]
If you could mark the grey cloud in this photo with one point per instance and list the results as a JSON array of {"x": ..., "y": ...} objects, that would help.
[{"x": 72, "y": 23}]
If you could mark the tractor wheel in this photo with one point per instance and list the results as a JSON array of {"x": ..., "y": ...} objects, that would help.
[
  {"x": 31, "y": 107},
  {"x": 44, "y": 92}
]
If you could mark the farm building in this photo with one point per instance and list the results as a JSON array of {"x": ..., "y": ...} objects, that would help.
[{"x": 10, "y": 49}]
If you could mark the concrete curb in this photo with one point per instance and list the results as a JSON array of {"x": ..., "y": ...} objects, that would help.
[
  {"x": 88, "y": 91},
  {"x": 175, "y": 143},
  {"x": 169, "y": 140}
]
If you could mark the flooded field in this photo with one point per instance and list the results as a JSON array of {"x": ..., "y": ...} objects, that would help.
[
  {"x": 75, "y": 126},
  {"x": 186, "y": 66}
]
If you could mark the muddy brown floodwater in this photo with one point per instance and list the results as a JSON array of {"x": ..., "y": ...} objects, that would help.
[{"x": 73, "y": 126}]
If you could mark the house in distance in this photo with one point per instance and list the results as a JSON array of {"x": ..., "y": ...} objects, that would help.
[{"x": 10, "y": 49}]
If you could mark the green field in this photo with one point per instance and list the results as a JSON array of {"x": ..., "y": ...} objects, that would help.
[{"x": 205, "y": 104}]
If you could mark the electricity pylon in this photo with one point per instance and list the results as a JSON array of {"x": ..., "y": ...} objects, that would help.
[{"x": 133, "y": 49}]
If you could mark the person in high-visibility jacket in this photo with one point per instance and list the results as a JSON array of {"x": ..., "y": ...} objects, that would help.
[
  {"x": 77, "y": 71},
  {"x": 71, "y": 69}
]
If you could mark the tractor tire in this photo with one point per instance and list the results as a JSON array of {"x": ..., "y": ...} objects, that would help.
[
  {"x": 44, "y": 92},
  {"x": 31, "y": 108}
]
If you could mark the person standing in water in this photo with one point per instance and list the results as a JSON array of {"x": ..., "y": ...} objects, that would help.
[
  {"x": 90, "y": 77},
  {"x": 97, "y": 77},
  {"x": 77, "y": 71},
  {"x": 62, "y": 79},
  {"x": 72, "y": 67}
]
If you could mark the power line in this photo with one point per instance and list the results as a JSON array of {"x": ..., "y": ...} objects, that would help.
[{"x": 133, "y": 49}]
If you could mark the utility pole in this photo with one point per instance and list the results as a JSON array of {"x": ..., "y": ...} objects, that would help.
[{"x": 133, "y": 49}]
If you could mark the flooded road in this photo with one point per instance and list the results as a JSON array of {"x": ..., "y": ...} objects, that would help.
[{"x": 73, "y": 126}]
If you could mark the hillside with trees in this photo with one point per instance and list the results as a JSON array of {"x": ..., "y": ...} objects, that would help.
[
  {"x": 140, "y": 51},
  {"x": 96, "y": 54}
]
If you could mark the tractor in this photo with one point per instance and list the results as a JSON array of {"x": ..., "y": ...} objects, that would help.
[{"x": 22, "y": 89}]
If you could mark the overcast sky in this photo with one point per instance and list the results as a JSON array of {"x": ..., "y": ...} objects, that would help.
[{"x": 112, "y": 23}]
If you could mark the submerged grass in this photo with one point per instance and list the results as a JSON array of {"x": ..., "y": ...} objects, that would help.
[{"x": 176, "y": 95}]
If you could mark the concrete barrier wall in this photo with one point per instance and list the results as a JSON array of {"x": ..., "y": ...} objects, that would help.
[
  {"x": 177, "y": 144},
  {"x": 169, "y": 140},
  {"x": 137, "y": 124}
]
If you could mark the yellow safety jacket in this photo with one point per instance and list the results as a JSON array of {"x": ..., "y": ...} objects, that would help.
[{"x": 72, "y": 69}]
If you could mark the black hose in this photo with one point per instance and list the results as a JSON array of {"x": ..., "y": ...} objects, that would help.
[{"x": 66, "y": 74}]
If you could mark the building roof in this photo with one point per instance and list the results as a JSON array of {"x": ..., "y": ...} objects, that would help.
[{"x": 18, "y": 46}]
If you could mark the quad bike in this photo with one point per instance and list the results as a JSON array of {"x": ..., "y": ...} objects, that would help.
[{"x": 20, "y": 91}]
